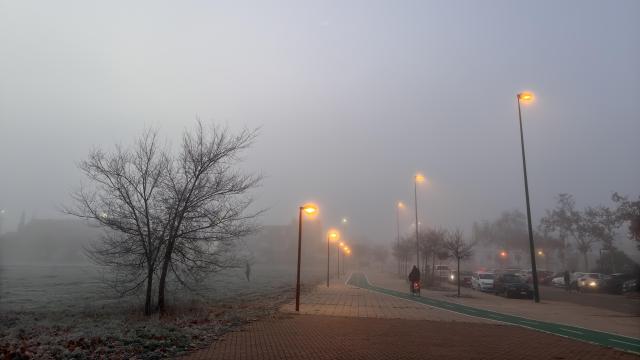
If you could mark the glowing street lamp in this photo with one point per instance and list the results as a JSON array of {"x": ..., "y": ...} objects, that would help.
[
  {"x": 310, "y": 210},
  {"x": 332, "y": 236},
  {"x": 528, "y": 97},
  {"x": 540, "y": 253}
]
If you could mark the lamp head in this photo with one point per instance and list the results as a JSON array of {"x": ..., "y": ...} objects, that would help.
[
  {"x": 525, "y": 96},
  {"x": 309, "y": 208}
]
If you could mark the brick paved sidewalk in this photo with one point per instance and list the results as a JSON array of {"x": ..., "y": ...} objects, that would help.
[
  {"x": 345, "y": 300},
  {"x": 327, "y": 337}
]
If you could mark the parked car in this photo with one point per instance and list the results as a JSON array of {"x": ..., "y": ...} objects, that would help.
[
  {"x": 482, "y": 281},
  {"x": 574, "y": 276},
  {"x": 545, "y": 277},
  {"x": 558, "y": 281},
  {"x": 465, "y": 278},
  {"x": 443, "y": 271},
  {"x": 590, "y": 282},
  {"x": 511, "y": 285},
  {"x": 613, "y": 284},
  {"x": 630, "y": 285}
]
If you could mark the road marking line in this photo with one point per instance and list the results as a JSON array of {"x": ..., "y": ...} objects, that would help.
[
  {"x": 573, "y": 331},
  {"x": 624, "y": 342},
  {"x": 529, "y": 322}
]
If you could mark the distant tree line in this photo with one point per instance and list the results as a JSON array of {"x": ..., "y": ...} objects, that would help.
[
  {"x": 561, "y": 230},
  {"x": 565, "y": 228},
  {"x": 435, "y": 245}
]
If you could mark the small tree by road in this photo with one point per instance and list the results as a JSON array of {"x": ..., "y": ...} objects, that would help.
[
  {"x": 458, "y": 249},
  {"x": 628, "y": 211}
]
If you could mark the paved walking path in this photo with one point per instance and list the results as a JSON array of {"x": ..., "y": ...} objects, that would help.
[
  {"x": 342, "y": 299},
  {"x": 358, "y": 320},
  {"x": 319, "y": 337},
  {"x": 573, "y": 332}
]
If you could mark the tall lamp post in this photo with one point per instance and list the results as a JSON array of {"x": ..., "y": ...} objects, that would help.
[
  {"x": 347, "y": 252},
  {"x": 308, "y": 209},
  {"x": 332, "y": 236},
  {"x": 419, "y": 178},
  {"x": 398, "y": 207},
  {"x": 345, "y": 223},
  {"x": 527, "y": 97},
  {"x": 340, "y": 246}
]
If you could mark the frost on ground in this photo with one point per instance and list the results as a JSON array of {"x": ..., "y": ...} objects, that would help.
[
  {"x": 60, "y": 314},
  {"x": 125, "y": 334}
]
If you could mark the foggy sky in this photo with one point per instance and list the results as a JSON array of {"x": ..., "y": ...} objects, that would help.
[{"x": 352, "y": 98}]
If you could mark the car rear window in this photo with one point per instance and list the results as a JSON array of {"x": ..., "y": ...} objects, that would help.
[{"x": 486, "y": 276}]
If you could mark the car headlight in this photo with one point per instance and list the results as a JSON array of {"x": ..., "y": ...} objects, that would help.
[{"x": 593, "y": 283}]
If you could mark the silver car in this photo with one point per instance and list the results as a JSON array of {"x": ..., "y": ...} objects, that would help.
[{"x": 482, "y": 281}]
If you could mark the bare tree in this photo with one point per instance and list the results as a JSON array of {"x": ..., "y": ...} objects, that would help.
[
  {"x": 434, "y": 246},
  {"x": 206, "y": 205},
  {"x": 458, "y": 249},
  {"x": 166, "y": 214},
  {"x": 402, "y": 251},
  {"x": 629, "y": 211},
  {"x": 125, "y": 197},
  {"x": 566, "y": 221}
]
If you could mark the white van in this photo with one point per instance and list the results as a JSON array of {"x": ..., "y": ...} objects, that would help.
[
  {"x": 482, "y": 281},
  {"x": 443, "y": 271}
]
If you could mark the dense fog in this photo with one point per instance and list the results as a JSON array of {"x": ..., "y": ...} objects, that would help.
[{"x": 348, "y": 103}]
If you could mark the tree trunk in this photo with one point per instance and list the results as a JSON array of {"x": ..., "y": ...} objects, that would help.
[
  {"x": 163, "y": 278},
  {"x": 458, "y": 276},
  {"x": 147, "y": 302},
  {"x": 586, "y": 261},
  {"x": 433, "y": 264}
]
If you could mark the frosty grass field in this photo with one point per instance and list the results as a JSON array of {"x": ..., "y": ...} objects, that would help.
[{"x": 65, "y": 311}]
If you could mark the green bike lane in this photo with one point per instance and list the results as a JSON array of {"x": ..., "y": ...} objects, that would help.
[{"x": 592, "y": 336}]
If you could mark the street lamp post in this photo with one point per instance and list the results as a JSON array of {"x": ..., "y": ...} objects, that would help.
[
  {"x": 309, "y": 209},
  {"x": 328, "y": 236},
  {"x": 340, "y": 248},
  {"x": 332, "y": 236},
  {"x": 400, "y": 205},
  {"x": 418, "y": 178},
  {"x": 525, "y": 96}
]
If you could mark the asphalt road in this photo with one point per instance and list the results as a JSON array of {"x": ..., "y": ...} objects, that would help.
[
  {"x": 618, "y": 303},
  {"x": 577, "y": 333}
]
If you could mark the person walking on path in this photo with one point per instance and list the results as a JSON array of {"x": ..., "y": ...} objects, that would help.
[{"x": 414, "y": 276}]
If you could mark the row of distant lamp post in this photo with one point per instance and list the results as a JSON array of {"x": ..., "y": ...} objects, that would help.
[
  {"x": 332, "y": 237},
  {"x": 523, "y": 97}
]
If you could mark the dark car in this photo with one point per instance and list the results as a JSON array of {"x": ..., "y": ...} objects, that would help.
[
  {"x": 630, "y": 285},
  {"x": 619, "y": 283},
  {"x": 545, "y": 277},
  {"x": 465, "y": 278},
  {"x": 613, "y": 284},
  {"x": 511, "y": 285}
]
